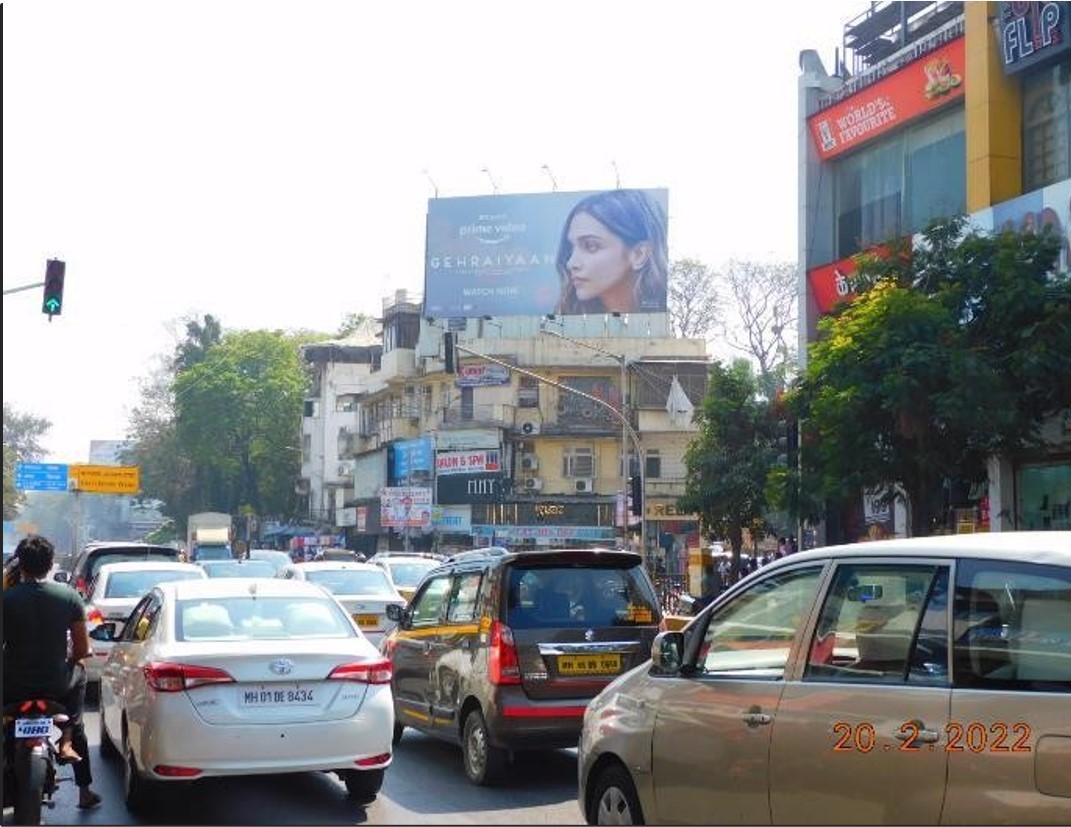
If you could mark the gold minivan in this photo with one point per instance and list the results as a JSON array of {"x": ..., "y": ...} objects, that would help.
[{"x": 919, "y": 681}]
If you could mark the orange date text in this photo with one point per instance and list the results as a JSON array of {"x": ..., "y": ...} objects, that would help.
[{"x": 973, "y": 736}]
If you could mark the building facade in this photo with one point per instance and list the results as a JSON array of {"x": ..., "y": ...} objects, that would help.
[
  {"x": 938, "y": 109},
  {"x": 530, "y": 442}
]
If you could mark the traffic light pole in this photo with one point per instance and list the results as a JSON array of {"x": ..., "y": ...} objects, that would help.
[
  {"x": 24, "y": 287},
  {"x": 619, "y": 415}
]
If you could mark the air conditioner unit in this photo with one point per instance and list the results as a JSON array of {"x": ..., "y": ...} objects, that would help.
[
  {"x": 584, "y": 485},
  {"x": 529, "y": 428},
  {"x": 529, "y": 462},
  {"x": 533, "y": 484}
]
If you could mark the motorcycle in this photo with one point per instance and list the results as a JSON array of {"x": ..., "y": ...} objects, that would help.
[{"x": 30, "y": 757}]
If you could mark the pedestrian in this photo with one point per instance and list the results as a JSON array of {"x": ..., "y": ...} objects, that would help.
[{"x": 612, "y": 256}]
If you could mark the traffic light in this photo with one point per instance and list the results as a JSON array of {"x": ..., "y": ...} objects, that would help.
[
  {"x": 451, "y": 354},
  {"x": 53, "y": 298},
  {"x": 635, "y": 496}
]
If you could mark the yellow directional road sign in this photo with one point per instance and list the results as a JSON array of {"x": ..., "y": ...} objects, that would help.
[{"x": 105, "y": 479}]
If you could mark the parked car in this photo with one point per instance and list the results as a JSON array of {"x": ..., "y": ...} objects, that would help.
[
  {"x": 226, "y": 677},
  {"x": 501, "y": 651},
  {"x": 363, "y": 589},
  {"x": 116, "y": 590},
  {"x": 96, "y": 554},
  {"x": 238, "y": 568},
  {"x": 406, "y": 570},
  {"x": 278, "y": 559},
  {"x": 920, "y": 681},
  {"x": 338, "y": 554}
]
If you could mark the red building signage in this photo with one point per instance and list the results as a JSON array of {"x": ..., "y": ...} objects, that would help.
[{"x": 909, "y": 93}]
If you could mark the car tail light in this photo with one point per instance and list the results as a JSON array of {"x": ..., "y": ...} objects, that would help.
[
  {"x": 503, "y": 666},
  {"x": 177, "y": 677},
  {"x": 80, "y": 585},
  {"x": 94, "y": 617},
  {"x": 373, "y": 761},
  {"x": 374, "y": 671}
]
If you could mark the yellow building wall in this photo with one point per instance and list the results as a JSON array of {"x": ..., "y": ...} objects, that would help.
[{"x": 993, "y": 111}]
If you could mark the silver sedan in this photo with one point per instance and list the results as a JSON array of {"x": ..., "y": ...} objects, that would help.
[{"x": 243, "y": 676}]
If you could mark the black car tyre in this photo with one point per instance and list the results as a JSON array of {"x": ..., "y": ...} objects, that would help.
[
  {"x": 614, "y": 799},
  {"x": 108, "y": 750},
  {"x": 139, "y": 792},
  {"x": 362, "y": 785},
  {"x": 484, "y": 764},
  {"x": 398, "y": 730}
]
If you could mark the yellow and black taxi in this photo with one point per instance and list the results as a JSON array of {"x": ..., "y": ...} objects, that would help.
[{"x": 501, "y": 651}]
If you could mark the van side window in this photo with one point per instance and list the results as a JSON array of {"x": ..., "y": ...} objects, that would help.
[
  {"x": 1012, "y": 626},
  {"x": 462, "y": 606},
  {"x": 428, "y": 604}
]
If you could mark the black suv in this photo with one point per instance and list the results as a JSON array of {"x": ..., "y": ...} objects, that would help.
[
  {"x": 501, "y": 651},
  {"x": 96, "y": 554}
]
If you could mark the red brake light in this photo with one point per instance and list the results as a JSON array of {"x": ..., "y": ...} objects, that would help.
[
  {"x": 94, "y": 617},
  {"x": 375, "y": 671},
  {"x": 503, "y": 666},
  {"x": 176, "y": 772},
  {"x": 177, "y": 677},
  {"x": 80, "y": 584}
]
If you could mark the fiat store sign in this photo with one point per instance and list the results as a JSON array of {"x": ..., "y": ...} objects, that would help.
[{"x": 467, "y": 462}]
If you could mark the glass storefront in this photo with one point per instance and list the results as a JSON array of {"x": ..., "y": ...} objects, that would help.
[{"x": 1043, "y": 496}]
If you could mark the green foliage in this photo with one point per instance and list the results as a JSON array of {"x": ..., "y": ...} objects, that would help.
[
  {"x": 22, "y": 434},
  {"x": 948, "y": 356},
  {"x": 727, "y": 464}
]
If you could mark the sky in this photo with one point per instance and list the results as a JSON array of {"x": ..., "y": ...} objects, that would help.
[{"x": 271, "y": 163}]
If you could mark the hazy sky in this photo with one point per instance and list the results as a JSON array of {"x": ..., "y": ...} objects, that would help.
[{"x": 270, "y": 163}]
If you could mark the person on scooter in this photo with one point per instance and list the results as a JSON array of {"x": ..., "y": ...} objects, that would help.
[{"x": 40, "y": 617}]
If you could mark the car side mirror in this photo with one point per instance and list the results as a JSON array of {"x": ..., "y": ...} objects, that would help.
[
  {"x": 105, "y": 631},
  {"x": 395, "y": 612},
  {"x": 667, "y": 652},
  {"x": 62, "y": 577}
]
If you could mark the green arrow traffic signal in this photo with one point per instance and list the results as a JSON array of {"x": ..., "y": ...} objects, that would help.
[{"x": 53, "y": 299}]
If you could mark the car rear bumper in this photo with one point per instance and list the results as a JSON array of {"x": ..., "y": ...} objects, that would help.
[{"x": 518, "y": 722}]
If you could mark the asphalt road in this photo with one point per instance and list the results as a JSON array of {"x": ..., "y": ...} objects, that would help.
[{"x": 424, "y": 785}]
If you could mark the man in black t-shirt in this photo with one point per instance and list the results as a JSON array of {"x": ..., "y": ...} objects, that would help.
[{"x": 40, "y": 618}]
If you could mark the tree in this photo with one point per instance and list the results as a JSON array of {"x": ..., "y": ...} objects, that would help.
[
  {"x": 727, "y": 464},
  {"x": 237, "y": 413},
  {"x": 692, "y": 299},
  {"x": 357, "y": 325},
  {"x": 764, "y": 298},
  {"x": 200, "y": 338},
  {"x": 951, "y": 353},
  {"x": 22, "y": 434}
]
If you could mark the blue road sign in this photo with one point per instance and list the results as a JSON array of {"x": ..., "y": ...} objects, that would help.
[{"x": 40, "y": 476}]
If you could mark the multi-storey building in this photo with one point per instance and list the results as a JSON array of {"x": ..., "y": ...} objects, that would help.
[
  {"x": 529, "y": 442},
  {"x": 936, "y": 109}
]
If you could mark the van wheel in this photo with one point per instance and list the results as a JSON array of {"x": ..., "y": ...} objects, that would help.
[
  {"x": 484, "y": 764},
  {"x": 614, "y": 799}
]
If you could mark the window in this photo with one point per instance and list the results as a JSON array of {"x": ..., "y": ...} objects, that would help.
[
  {"x": 653, "y": 465},
  {"x": 345, "y": 403},
  {"x": 866, "y": 631},
  {"x": 1012, "y": 626},
  {"x": 897, "y": 185},
  {"x": 1046, "y": 127},
  {"x": 753, "y": 634},
  {"x": 462, "y": 606},
  {"x": 528, "y": 393},
  {"x": 428, "y": 605},
  {"x": 578, "y": 462},
  {"x": 312, "y": 407}
]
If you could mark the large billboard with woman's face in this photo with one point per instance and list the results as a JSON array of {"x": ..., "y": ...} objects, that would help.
[{"x": 557, "y": 252}]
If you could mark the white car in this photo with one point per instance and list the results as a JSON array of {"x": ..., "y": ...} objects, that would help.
[
  {"x": 363, "y": 589},
  {"x": 406, "y": 570},
  {"x": 235, "y": 676},
  {"x": 115, "y": 591}
]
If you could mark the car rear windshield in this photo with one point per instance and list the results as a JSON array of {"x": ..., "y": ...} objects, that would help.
[
  {"x": 213, "y": 553},
  {"x": 248, "y": 617},
  {"x": 239, "y": 568},
  {"x": 574, "y": 596},
  {"x": 352, "y": 581},
  {"x": 127, "y": 556},
  {"x": 136, "y": 583}
]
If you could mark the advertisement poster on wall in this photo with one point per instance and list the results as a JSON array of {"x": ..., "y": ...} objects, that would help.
[
  {"x": 559, "y": 252},
  {"x": 405, "y": 506}
]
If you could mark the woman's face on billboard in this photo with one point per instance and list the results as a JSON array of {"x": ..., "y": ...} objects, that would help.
[{"x": 600, "y": 264}]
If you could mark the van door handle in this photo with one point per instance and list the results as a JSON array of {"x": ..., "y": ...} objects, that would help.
[
  {"x": 427, "y": 646},
  {"x": 917, "y": 731},
  {"x": 757, "y": 718}
]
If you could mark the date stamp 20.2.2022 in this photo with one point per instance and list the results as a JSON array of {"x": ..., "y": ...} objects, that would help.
[{"x": 974, "y": 736}]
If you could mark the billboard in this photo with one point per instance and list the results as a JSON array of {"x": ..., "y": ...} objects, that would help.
[
  {"x": 556, "y": 252},
  {"x": 405, "y": 506},
  {"x": 909, "y": 93}
]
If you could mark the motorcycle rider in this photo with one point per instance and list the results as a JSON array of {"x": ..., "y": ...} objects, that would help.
[{"x": 40, "y": 616}]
